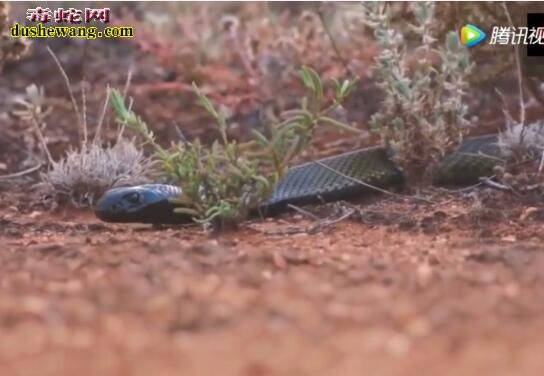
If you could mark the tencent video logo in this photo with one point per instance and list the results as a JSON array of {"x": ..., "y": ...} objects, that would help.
[{"x": 471, "y": 35}]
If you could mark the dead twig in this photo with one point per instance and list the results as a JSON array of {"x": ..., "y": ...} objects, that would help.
[
  {"x": 181, "y": 136},
  {"x": 123, "y": 125},
  {"x": 41, "y": 138},
  {"x": 291, "y": 230},
  {"x": 231, "y": 26},
  {"x": 334, "y": 45},
  {"x": 21, "y": 173},
  {"x": 499, "y": 186},
  {"x": 483, "y": 155},
  {"x": 102, "y": 116},
  {"x": 318, "y": 227},
  {"x": 464, "y": 189},
  {"x": 519, "y": 76},
  {"x": 505, "y": 111},
  {"x": 303, "y": 212},
  {"x": 127, "y": 83},
  {"x": 541, "y": 165},
  {"x": 68, "y": 85},
  {"x": 495, "y": 185},
  {"x": 84, "y": 114}
]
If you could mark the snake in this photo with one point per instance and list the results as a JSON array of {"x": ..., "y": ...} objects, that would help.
[{"x": 345, "y": 176}]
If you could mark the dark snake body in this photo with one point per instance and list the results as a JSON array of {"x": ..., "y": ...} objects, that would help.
[{"x": 340, "y": 177}]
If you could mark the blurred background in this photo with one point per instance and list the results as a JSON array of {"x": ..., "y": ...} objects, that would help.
[{"x": 244, "y": 56}]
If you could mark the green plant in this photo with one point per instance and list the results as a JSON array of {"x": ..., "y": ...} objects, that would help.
[
  {"x": 295, "y": 132},
  {"x": 222, "y": 182},
  {"x": 423, "y": 114}
]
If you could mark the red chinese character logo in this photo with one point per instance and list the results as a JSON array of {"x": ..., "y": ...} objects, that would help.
[{"x": 39, "y": 14}]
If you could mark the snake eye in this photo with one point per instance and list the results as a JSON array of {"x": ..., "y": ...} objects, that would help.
[{"x": 133, "y": 198}]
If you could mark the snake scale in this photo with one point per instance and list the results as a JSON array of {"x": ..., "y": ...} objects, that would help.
[{"x": 335, "y": 178}]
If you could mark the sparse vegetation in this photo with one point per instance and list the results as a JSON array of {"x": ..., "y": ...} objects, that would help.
[
  {"x": 424, "y": 113},
  {"x": 32, "y": 109},
  {"x": 253, "y": 50},
  {"x": 521, "y": 141},
  {"x": 86, "y": 172},
  {"x": 222, "y": 182}
]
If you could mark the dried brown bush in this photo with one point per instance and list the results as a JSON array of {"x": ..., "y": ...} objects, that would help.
[{"x": 85, "y": 174}]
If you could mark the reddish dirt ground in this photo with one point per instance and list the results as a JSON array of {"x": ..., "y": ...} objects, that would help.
[{"x": 452, "y": 287}]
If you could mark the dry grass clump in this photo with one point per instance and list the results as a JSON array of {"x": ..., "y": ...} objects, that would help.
[
  {"x": 519, "y": 141},
  {"x": 91, "y": 168},
  {"x": 85, "y": 174}
]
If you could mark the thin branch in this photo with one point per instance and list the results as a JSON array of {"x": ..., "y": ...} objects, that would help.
[
  {"x": 329, "y": 222},
  {"x": 181, "y": 136},
  {"x": 519, "y": 76},
  {"x": 303, "y": 212},
  {"x": 235, "y": 40},
  {"x": 501, "y": 187},
  {"x": 21, "y": 173},
  {"x": 337, "y": 51},
  {"x": 41, "y": 137},
  {"x": 319, "y": 225},
  {"x": 505, "y": 110},
  {"x": 68, "y": 85},
  {"x": 481, "y": 155},
  {"x": 125, "y": 94},
  {"x": 123, "y": 126},
  {"x": 84, "y": 114},
  {"x": 464, "y": 189},
  {"x": 127, "y": 83},
  {"x": 102, "y": 116}
]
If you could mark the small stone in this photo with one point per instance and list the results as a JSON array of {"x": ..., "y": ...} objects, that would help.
[
  {"x": 279, "y": 260},
  {"x": 528, "y": 212},
  {"x": 509, "y": 238},
  {"x": 35, "y": 214},
  {"x": 345, "y": 257},
  {"x": 398, "y": 345},
  {"x": 267, "y": 274},
  {"x": 511, "y": 290}
]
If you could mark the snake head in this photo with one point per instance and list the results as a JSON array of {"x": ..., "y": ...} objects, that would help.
[{"x": 148, "y": 203}]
